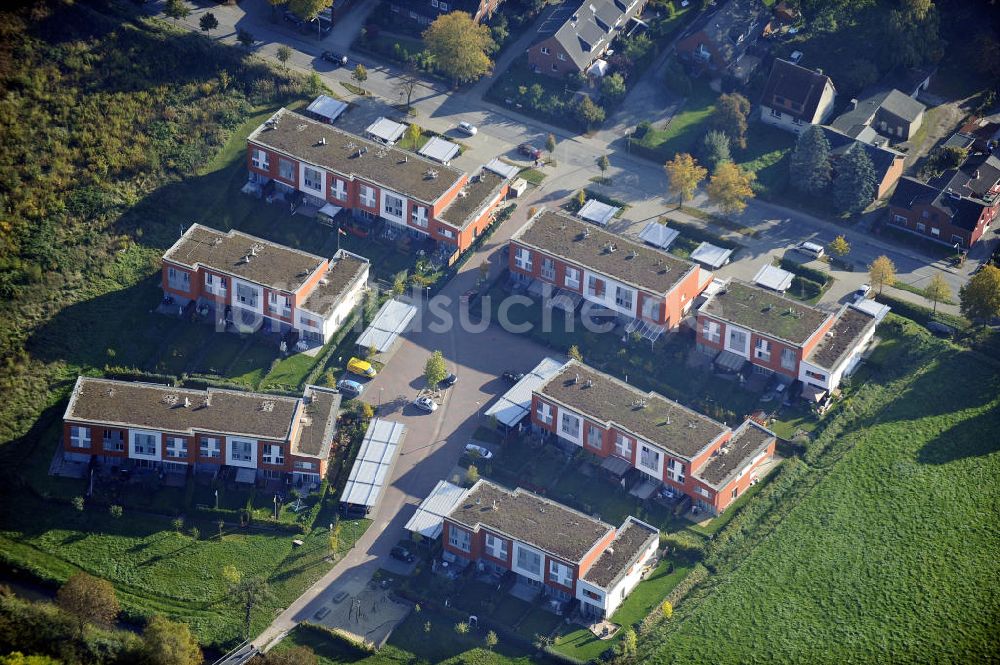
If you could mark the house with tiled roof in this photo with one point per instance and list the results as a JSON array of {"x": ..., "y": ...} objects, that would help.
[
  {"x": 796, "y": 97},
  {"x": 888, "y": 163},
  {"x": 717, "y": 40}
]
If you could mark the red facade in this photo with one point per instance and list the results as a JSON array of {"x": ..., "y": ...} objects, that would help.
[{"x": 929, "y": 221}]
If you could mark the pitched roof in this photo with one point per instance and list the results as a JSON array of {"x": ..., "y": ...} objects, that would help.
[
  {"x": 586, "y": 245},
  {"x": 747, "y": 442},
  {"x": 530, "y": 519},
  {"x": 962, "y": 194},
  {"x": 632, "y": 539},
  {"x": 270, "y": 264},
  {"x": 765, "y": 312},
  {"x": 351, "y": 156},
  {"x": 731, "y": 26},
  {"x": 880, "y": 97},
  {"x": 902, "y": 106},
  {"x": 649, "y": 415},
  {"x": 882, "y": 158},
  {"x": 592, "y": 27},
  {"x": 791, "y": 83},
  {"x": 910, "y": 191}
]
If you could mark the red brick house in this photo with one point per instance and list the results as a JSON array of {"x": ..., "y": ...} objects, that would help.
[
  {"x": 632, "y": 279},
  {"x": 563, "y": 553},
  {"x": 956, "y": 208},
  {"x": 424, "y": 12},
  {"x": 248, "y": 283},
  {"x": 718, "y": 40},
  {"x": 688, "y": 452},
  {"x": 125, "y": 423},
  {"x": 584, "y": 38},
  {"x": 379, "y": 184}
]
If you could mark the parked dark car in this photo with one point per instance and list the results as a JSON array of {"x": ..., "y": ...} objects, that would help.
[
  {"x": 402, "y": 554},
  {"x": 529, "y": 150},
  {"x": 290, "y": 17},
  {"x": 448, "y": 381},
  {"x": 940, "y": 329},
  {"x": 513, "y": 377},
  {"x": 337, "y": 59}
]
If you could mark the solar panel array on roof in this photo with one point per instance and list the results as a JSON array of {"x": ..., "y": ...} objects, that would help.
[{"x": 372, "y": 469}]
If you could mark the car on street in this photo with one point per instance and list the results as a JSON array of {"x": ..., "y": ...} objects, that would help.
[
  {"x": 349, "y": 386},
  {"x": 478, "y": 451},
  {"x": 448, "y": 381},
  {"x": 290, "y": 17},
  {"x": 512, "y": 377},
  {"x": 468, "y": 128},
  {"x": 402, "y": 554},
  {"x": 425, "y": 403},
  {"x": 810, "y": 249},
  {"x": 530, "y": 151},
  {"x": 361, "y": 367},
  {"x": 337, "y": 59},
  {"x": 862, "y": 292}
]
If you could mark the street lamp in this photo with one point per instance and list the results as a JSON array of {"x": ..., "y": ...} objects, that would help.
[{"x": 216, "y": 499}]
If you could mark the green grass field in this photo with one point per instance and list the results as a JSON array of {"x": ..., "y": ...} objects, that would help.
[
  {"x": 894, "y": 552},
  {"x": 686, "y": 128}
]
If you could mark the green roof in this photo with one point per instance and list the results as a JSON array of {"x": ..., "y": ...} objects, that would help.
[{"x": 765, "y": 312}]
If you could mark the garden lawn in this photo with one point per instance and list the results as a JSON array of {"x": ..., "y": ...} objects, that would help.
[
  {"x": 684, "y": 130},
  {"x": 289, "y": 373},
  {"x": 893, "y": 552},
  {"x": 767, "y": 155},
  {"x": 581, "y": 644}
]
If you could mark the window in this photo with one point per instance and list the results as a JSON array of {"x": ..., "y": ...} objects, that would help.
[
  {"x": 560, "y": 573},
  {"x": 144, "y": 444},
  {"x": 561, "y": 56},
  {"x": 623, "y": 445},
  {"x": 305, "y": 466},
  {"x": 286, "y": 169},
  {"x": 710, "y": 330},
  {"x": 259, "y": 160},
  {"x": 522, "y": 259},
  {"x": 737, "y": 341},
  {"x": 675, "y": 471},
  {"x": 935, "y": 231},
  {"x": 545, "y": 50},
  {"x": 444, "y": 6},
  {"x": 176, "y": 447},
  {"x": 570, "y": 425},
  {"x": 775, "y": 113},
  {"x": 241, "y": 451},
  {"x": 595, "y": 438},
  {"x": 925, "y": 214},
  {"x": 392, "y": 206},
  {"x": 957, "y": 240},
  {"x": 246, "y": 295},
  {"x": 434, "y": 4},
  {"x": 279, "y": 304},
  {"x": 590, "y": 594},
  {"x": 367, "y": 196},
  {"x": 899, "y": 219},
  {"x": 178, "y": 280},
  {"x": 548, "y": 269},
  {"x": 79, "y": 437},
  {"x": 339, "y": 190},
  {"x": 572, "y": 279},
  {"x": 650, "y": 309},
  {"x": 114, "y": 440},
  {"x": 762, "y": 350},
  {"x": 595, "y": 287},
  {"x": 419, "y": 216},
  {"x": 815, "y": 375},
  {"x": 313, "y": 179},
  {"x": 459, "y": 538},
  {"x": 704, "y": 492},
  {"x": 555, "y": 67},
  {"x": 215, "y": 284},
  {"x": 624, "y": 297},
  {"x": 788, "y": 359},
  {"x": 921, "y": 227},
  {"x": 529, "y": 561},
  {"x": 210, "y": 447},
  {"x": 496, "y": 547},
  {"x": 273, "y": 454},
  {"x": 649, "y": 457},
  {"x": 447, "y": 233},
  {"x": 544, "y": 413},
  {"x": 736, "y": 490}
]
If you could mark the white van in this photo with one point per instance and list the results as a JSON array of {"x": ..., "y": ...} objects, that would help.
[{"x": 810, "y": 248}]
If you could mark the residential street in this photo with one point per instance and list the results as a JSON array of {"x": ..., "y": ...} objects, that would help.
[{"x": 434, "y": 441}]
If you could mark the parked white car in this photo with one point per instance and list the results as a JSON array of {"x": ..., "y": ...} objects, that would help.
[
  {"x": 468, "y": 128},
  {"x": 476, "y": 450},
  {"x": 425, "y": 404},
  {"x": 862, "y": 292}
]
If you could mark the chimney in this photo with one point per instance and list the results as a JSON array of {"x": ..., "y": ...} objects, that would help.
[
  {"x": 819, "y": 71},
  {"x": 187, "y": 403},
  {"x": 854, "y": 104}
]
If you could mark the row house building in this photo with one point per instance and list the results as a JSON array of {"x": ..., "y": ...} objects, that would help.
[
  {"x": 126, "y": 423},
  {"x": 634, "y": 280},
  {"x": 250, "y": 283},
  {"x": 742, "y": 323},
  {"x": 375, "y": 182},
  {"x": 560, "y": 551},
  {"x": 688, "y": 452}
]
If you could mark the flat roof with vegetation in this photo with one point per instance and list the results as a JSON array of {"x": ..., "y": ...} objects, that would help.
[
  {"x": 586, "y": 245},
  {"x": 244, "y": 256},
  {"x": 473, "y": 198},
  {"x": 765, "y": 312},
  {"x": 651, "y": 416},
  {"x": 844, "y": 334},
  {"x": 630, "y": 541},
  {"x": 349, "y": 155},
  {"x": 345, "y": 271},
  {"x": 747, "y": 442},
  {"x": 530, "y": 519}
]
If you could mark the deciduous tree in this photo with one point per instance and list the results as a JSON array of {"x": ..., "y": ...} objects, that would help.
[
  {"x": 912, "y": 34},
  {"x": 166, "y": 642},
  {"x": 297, "y": 655},
  {"x": 810, "y": 162},
  {"x": 307, "y": 10},
  {"x": 550, "y": 143},
  {"x": 248, "y": 593},
  {"x": 715, "y": 149},
  {"x": 731, "y": 113},
  {"x": 613, "y": 86},
  {"x": 88, "y": 599},
  {"x": 937, "y": 290},
  {"x": 283, "y": 53},
  {"x": 360, "y": 73},
  {"x": 730, "y": 188},
  {"x": 854, "y": 186},
  {"x": 492, "y": 640},
  {"x": 412, "y": 135},
  {"x": 460, "y": 46},
  {"x": 603, "y": 163},
  {"x": 471, "y": 475},
  {"x": 574, "y": 353},
  {"x": 406, "y": 86},
  {"x": 208, "y": 22},
  {"x": 435, "y": 369},
  {"x": 177, "y": 9},
  {"x": 882, "y": 273},
  {"x": 245, "y": 38},
  {"x": 589, "y": 113},
  {"x": 980, "y": 297},
  {"x": 839, "y": 246},
  {"x": 684, "y": 174}
]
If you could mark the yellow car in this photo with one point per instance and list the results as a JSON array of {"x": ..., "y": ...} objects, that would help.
[{"x": 361, "y": 367}]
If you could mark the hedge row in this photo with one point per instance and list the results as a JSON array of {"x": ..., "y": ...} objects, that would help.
[
  {"x": 817, "y": 276},
  {"x": 920, "y": 314},
  {"x": 701, "y": 235}
]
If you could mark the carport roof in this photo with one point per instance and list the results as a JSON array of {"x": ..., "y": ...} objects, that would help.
[
  {"x": 515, "y": 404},
  {"x": 372, "y": 469},
  {"x": 389, "y": 323},
  {"x": 429, "y": 518}
]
